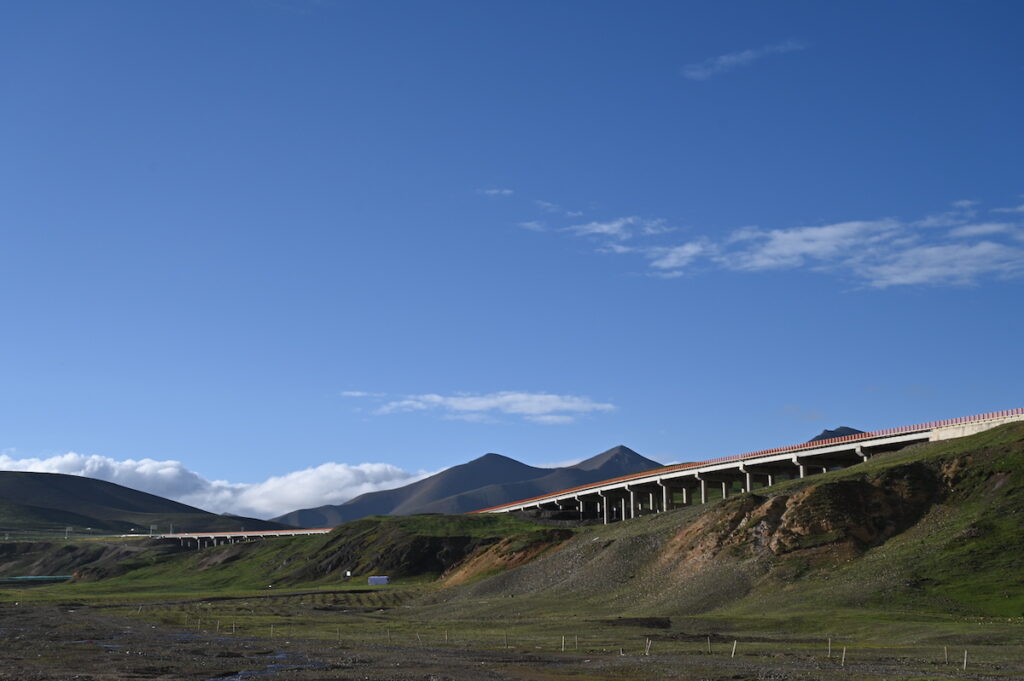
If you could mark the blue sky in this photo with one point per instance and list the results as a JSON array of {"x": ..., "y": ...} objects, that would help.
[{"x": 270, "y": 254}]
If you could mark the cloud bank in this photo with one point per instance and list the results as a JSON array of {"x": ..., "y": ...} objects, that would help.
[{"x": 329, "y": 483}]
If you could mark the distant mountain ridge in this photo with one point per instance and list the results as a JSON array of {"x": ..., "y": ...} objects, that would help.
[
  {"x": 40, "y": 501},
  {"x": 489, "y": 480}
]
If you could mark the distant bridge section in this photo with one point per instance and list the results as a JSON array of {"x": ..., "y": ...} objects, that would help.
[
  {"x": 204, "y": 539},
  {"x": 665, "y": 488}
]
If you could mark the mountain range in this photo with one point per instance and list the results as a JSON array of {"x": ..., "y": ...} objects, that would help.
[
  {"x": 54, "y": 501},
  {"x": 489, "y": 480}
]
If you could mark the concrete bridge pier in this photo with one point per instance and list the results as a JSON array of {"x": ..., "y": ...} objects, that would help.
[
  {"x": 748, "y": 479},
  {"x": 703, "y": 489}
]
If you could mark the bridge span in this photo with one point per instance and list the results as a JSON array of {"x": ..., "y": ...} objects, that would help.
[
  {"x": 202, "y": 539},
  {"x": 669, "y": 487}
]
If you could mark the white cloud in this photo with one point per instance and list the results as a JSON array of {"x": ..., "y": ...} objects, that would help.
[
  {"x": 940, "y": 249},
  {"x": 620, "y": 228},
  {"x": 957, "y": 264},
  {"x": 533, "y": 226},
  {"x": 496, "y": 192},
  {"x": 883, "y": 253},
  {"x": 653, "y": 227},
  {"x": 962, "y": 213},
  {"x": 676, "y": 257},
  {"x": 618, "y": 249},
  {"x": 787, "y": 248},
  {"x": 727, "y": 62},
  {"x": 950, "y": 219},
  {"x": 329, "y": 483},
  {"x": 983, "y": 229},
  {"x": 1013, "y": 209},
  {"x": 549, "y": 207},
  {"x": 359, "y": 393},
  {"x": 543, "y": 408},
  {"x": 552, "y": 419},
  {"x": 617, "y": 228}
]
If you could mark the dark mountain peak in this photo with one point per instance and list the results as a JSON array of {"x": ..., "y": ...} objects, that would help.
[
  {"x": 490, "y": 458},
  {"x": 488, "y": 480},
  {"x": 485, "y": 470},
  {"x": 488, "y": 464},
  {"x": 838, "y": 432},
  {"x": 617, "y": 457}
]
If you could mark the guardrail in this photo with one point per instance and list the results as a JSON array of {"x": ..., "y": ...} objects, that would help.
[{"x": 253, "y": 534}]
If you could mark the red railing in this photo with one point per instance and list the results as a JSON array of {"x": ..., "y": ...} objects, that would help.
[{"x": 885, "y": 432}]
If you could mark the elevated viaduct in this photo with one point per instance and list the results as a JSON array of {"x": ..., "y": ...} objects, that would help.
[
  {"x": 203, "y": 539},
  {"x": 665, "y": 488}
]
